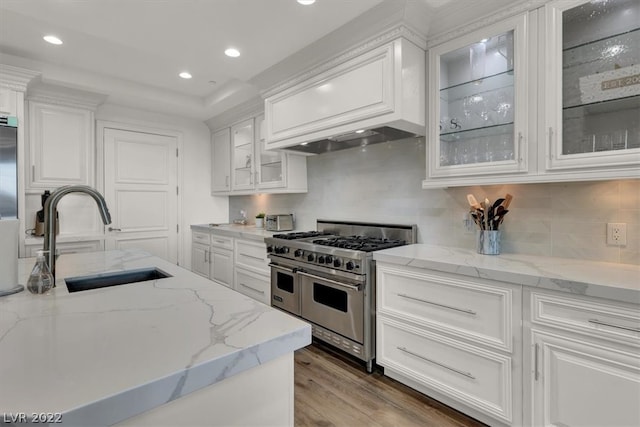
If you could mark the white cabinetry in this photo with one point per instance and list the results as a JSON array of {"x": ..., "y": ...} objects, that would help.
[
  {"x": 453, "y": 337},
  {"x": 565, "y": 111},
  {"x": 592, "y": 86},
  {"x": 384, "y": 85},
  {"x": 221, "y": 259},
  {"x": 583, "y": 361},
  {"x": 221, "y": 161},
  {"x": 200, "y": 252},
  {"x": 252, "y": 275},
  {"x": 61, "y": 146},
  {"x": 242, "y": 165},
  {"x": 8, "y": 102},
  {"x": 73, "y": 247}
]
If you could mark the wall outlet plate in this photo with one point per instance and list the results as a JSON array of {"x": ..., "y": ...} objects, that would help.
[{"x": 617, "y": 233}]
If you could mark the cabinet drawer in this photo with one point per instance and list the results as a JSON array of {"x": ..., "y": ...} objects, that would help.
[
  {"x": 473, "y": 376},
  {"x": 476, "y": 310},
  {"x": 252, "y": 256},
  {"x": 223, "y": 242},
  {"x": 199, "y": 237},
  {"x": 253, "y": 285},
  {"x": 607, "y": 321}
]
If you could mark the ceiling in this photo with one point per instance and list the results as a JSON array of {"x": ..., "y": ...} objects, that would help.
[{"x": 133, "y": 50}]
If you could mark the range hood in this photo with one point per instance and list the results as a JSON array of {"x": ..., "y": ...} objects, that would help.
[
  {"x": 353, "y": 139},
  {"x": 376, "y": 96}
]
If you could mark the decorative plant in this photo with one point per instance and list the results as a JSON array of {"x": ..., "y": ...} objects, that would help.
[{"x": 260, "y": 215}]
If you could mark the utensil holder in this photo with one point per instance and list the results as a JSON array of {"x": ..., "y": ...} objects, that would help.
[{"x": 488, "y": 242}]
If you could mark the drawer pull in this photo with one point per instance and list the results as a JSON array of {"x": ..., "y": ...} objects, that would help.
[
  {"x": 457, "y": 371},
  {"x": 463, "y": 310},
  {"x": 222, "y": 242},
  {"x": 253, "y": 289},
  {"x": 626, "y": 328}
]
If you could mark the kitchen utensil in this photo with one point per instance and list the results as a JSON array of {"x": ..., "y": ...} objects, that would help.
[
  {"x": 507, "y": 200},
  {"x": 472, "y": 201}
]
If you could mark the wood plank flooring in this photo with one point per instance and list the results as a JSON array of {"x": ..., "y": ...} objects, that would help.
[{"x": 333, "y": 390}]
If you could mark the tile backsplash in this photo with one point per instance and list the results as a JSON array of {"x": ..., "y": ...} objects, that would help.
[{"x": 382, "y": 183}]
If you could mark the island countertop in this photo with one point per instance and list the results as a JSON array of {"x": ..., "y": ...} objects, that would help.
[
  {"x": 104, "y": 355},
  {"x": 620, "y": 282}
]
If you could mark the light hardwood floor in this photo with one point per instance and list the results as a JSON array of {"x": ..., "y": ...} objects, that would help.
[{"x": 332, "y": 390}]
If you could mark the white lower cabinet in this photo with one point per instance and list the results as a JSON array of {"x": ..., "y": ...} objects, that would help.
[
  {"x": 453, "y": 337},
  {"x": 583, "y": 363},
  {"x": 240, "y": 264}
]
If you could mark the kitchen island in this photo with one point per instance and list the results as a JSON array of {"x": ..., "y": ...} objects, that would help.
[{"x": 175, "y": 351}]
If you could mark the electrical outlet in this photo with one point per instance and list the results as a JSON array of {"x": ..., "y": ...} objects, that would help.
[{"x": 617, "y": 234}]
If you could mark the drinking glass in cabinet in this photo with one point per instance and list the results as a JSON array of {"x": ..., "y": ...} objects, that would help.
[
  {"x": 601, "y": 77},
  {"x": 476, "y": 102}
]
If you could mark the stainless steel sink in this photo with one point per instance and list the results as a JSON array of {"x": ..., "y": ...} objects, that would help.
[{"x": 103, "y": 280}]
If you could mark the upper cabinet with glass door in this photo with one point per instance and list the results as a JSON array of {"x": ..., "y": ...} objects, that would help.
[
  {"x": 592, "y": 81},
  {"x": 478, "y": 103},
  {"x": 269, "y": 172}
]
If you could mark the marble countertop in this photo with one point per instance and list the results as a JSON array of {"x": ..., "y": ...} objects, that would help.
[
  {"x": 620, "y": 282},
  {"x": 104, "y": 355},
  {"x": 237, "y": 230}
]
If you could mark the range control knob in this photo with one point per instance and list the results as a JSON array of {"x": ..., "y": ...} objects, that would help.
[
  {"x": 269, "y": 249},
  {"x": 328, "y": 259},
  {"x": 337, "y": 262},
  {"x": 321, "y": 259},
  {"x": 310, "y": 257},
  {"x": 350, "y": 265},
  {"x": 298, "y": 253}
]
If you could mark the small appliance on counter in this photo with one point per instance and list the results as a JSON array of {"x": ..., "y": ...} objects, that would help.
[{"x": 279, "y": 222}]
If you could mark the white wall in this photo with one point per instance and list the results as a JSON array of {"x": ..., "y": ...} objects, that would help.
[
  {"x": 198, "y": 206},
  {"x": 382, "y": 183}
]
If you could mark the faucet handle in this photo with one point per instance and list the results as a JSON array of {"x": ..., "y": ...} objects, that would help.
[{"x": 114, "y": 229}]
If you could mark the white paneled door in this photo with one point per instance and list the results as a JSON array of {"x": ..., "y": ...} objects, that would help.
[{"x": 141, "y": 191}]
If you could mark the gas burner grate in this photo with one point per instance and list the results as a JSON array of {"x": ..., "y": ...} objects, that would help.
[
  {"x": 300, "y": 235},
  {"x": 360, "y": 243}
]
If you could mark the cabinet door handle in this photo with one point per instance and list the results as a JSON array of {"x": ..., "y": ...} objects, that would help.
[
  {"x": 626, "y": 328},
  {"x": 256, "y": 177},
  {"x": 457, "y": 371},
  {"x": 206, "y": 256},
  {"x": 535, "y": 362},
  {"x": 520, "y": 147},
  {"x": 253, "y": 289},
  {"x": 550, "y": 143},
  {"x": 33, "y": 173},
  {"x": 463, "y": 310}
]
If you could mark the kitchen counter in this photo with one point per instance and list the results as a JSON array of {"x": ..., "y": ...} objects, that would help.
[
  {"x": 620, "y": 282},
  {"x": 104, "y": 355},
  {"x": 237, "y": 230}
]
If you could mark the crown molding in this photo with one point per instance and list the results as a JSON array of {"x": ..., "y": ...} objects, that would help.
[
  {"x": 57, "y": 95},
  {"x": 388, "y": 35},
  {"x": 253, "y": 107},
  {"x": 16, "y": 78},
  {"x": 498, "y": 15}
]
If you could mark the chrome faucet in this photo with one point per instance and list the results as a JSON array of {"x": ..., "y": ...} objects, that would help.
[{"x": 50, "y": 217}]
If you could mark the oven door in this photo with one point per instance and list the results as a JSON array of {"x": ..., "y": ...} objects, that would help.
[
  {"x": 285, "y": 289},
  {"x": 333, "y": 305}
]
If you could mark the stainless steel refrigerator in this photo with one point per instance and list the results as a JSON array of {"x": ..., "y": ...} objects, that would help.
[{"x": 8, "y": 167}]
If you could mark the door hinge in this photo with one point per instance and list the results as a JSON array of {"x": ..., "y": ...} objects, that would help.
[
  {"x": 177, "y": 228},
  {"x": 177, "y": 191},
  {"x": 176, "y": 152}
]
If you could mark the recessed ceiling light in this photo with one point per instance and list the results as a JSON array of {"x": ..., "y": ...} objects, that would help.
[
  {"x": 360, "y": 131},
  {"x": 232, "y": 52},
  {"x": 185, "y": 75},
  {"x": 484, "y": 40},
  {"x": 306, "y": 2},
  {"x": 52, "y": 39}
]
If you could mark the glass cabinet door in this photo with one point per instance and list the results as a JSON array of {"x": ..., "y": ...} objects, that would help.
[
  {"x": 477, "y": 102},
  {"x": 270, "y": 169},
  {"x": 242, "y": 138},
  {"x": 593, "y": 83}
]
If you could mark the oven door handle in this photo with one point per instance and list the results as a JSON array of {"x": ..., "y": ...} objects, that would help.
[
  {"x": 333, "y": 282},
  {"x": 279, "y": 267}
]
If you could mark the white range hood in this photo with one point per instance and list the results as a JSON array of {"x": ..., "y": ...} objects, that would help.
[{"x": 380, "y": 92}]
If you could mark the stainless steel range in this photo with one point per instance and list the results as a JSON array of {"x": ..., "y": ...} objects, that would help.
[{"x": 327, "y": 277}]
